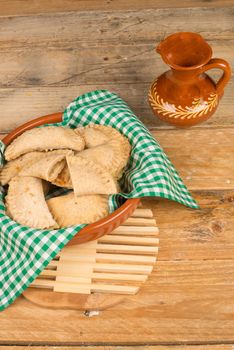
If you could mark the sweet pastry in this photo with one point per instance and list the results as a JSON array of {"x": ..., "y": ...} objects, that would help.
[
  {"x": 90, "y": 178},
  {"x": 88, "y": 160},
  {"x": 46, "y": 168},
  {"x": 96, "y": 134},
  {"x": 13, "y": 167},
  {"x": 25, "y": 203},
  {"x": 44, "y": 139},
  {"x": 113, "y": 156},
  {"x": 70, "y": 210}
]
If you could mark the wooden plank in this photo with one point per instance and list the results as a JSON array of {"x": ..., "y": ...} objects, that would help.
[
  {"x": 119, "y": 239},
  {"x": 102, "y": 288},
  {"x": 90, "y": 63},
  {"x": 95, "y": 276},
  {"x": 200, "y": 234},
  {"x": 147, "y": 222},
  {"x": 33, "y": 102},
  {"x": 52, "y": 59},
  {"x": 110, "y": 257},
  {"x": 193, "y": 273},
  {"x": 203, "y": 158},
  {"x": 191, "y": 156},
  {"x": 142, "y": 213},
  {"x": 83, "y": 268},
  {"x": 25, "y": 7},
  {"x": 68, "y": 284},
  {"x": 135, "y": 230},
  {"x": 107, "y": 248},
  {"x": 116, "y": 27},
  {"x": 122, "y": 230},
  {"x": 109, "y": 347},
  {"x": 185, "y": 300},
  {"x": 189, "y": 304}
]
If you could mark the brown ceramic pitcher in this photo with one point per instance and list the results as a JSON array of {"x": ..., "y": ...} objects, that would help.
[{"x": 185, "y": 95}]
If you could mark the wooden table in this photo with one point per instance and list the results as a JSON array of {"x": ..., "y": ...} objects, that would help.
[{"x": 51, "y": 51}]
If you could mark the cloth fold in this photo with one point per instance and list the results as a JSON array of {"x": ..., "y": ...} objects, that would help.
[{"x": 25, "y": 252}]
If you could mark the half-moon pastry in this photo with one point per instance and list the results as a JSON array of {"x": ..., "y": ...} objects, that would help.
[
  {"x": 90, "y": 178},
  {"x": 13, "y": 167},
  {"x": 44, "y": 139},
  {"x": 70, "y": 210},
  {"x": 113, "y": 156},
  {"x": 46, "y": 168},
  {"x": 96, "y": 134},
  {"x": 25, "y": 202}
]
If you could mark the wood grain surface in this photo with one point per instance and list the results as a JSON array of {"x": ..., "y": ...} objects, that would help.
[
  {"x": 189, "y": 296},
  {"x": 187, "y": 299},
  {"x": 190, "y": 151},
  {"x": 27, "y": 7},
  {"x": 204, "y": 157},
  {"x": 146, "y": 347},
  {"x": 52, "y": 51},
  {"x": 49, "y": 58}
]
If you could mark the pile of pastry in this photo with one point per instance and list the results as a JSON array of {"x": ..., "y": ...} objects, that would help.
[{"x": 87, "y": 160}]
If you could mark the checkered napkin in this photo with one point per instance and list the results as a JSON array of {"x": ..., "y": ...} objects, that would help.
[{"x": 25, "y": 252}]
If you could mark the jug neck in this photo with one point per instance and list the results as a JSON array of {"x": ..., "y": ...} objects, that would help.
[{"x": 185, "y": 75}]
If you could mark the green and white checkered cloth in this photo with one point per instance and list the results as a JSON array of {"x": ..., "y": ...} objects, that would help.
[{"x": 25, "y": 252}]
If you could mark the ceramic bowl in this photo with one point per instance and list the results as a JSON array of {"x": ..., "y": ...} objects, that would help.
[{"x": 100, "y": 227}]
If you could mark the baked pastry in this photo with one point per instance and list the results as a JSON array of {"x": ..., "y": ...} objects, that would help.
[
  {"x": 25, "y": 203},
  {"x": 113, "y": 156},
  {"x": 13, "y": 167},
  {"x": 70, "y": 210},
  {"x": 47, "y": 167},
  {"x": 96, "y": 134},
  {"x": 57, "y": 155},
  {"x": 44, "y": 139},
  {"x": 90, "y": 178}
]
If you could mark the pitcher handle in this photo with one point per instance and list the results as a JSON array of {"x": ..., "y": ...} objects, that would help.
[{"x": 221, "y": 64}]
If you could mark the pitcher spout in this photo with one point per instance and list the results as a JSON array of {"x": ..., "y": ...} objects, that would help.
[{"x": 184, "y": 51}]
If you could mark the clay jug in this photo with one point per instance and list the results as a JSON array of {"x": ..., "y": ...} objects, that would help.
[{"x": 185, "y": 95}]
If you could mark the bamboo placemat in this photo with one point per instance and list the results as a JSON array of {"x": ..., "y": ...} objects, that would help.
[{"x": 117, "y": 263}]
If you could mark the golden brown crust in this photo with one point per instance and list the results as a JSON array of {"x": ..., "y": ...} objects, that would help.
[
  {"x": 92, "y": 173},
  {"x": 46, "y": 168},
  {"x": 13, "y": 167},
  {"x": 90, "y": 178},
  {"x": 25, "y": 202},
  {"x": 113, "y": 156},
  {"x": 70, "y": 210},
  {"x": 45, "y": 139},
  {"x": 96, "y": 134}
]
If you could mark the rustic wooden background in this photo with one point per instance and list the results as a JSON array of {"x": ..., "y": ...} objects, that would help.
[{"x": 50, "y": 52}]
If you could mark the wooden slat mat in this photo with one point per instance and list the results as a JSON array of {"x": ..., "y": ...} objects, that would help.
[{"x": 115, "y": 263}]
